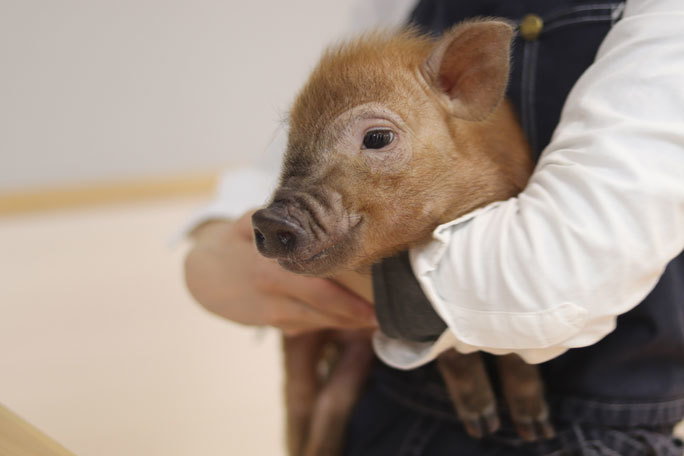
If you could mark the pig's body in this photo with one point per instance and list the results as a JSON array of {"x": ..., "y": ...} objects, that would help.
[{"x": 391, "y": 136}]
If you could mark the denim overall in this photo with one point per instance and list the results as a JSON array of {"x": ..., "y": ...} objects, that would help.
[{"x": 621, "y": 396}]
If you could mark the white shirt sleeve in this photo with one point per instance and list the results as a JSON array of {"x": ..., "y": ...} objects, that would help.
[{"x": 593, "y": 231}]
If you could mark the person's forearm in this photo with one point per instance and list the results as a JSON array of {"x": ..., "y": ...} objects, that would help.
[{"x": 601, "y": 218}]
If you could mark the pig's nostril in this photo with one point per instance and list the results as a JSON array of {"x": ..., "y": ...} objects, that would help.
[
  {"x": 259, "y": 238},
  {"x": 275, "y": 234},
  {"x": 286, "y": 238}
]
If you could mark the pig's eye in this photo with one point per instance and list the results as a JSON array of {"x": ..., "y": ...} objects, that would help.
[{"x": 377, "y": 139}]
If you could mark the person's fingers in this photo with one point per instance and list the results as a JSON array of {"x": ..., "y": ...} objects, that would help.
[
  {"x": 330, "y": 298},
  {"x": 360, "y": 284},
  {"x": 295, "y": 317}
]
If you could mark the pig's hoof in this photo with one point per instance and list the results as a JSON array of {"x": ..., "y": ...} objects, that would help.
[
  {"x": 479, "y": 424},
  {"x": 533, "y": 425}
]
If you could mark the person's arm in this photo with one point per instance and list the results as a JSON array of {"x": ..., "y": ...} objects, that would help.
[{"x": 593, "y": 231}]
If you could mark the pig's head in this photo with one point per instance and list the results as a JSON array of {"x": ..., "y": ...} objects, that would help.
[{"x": 388, "y": 139}]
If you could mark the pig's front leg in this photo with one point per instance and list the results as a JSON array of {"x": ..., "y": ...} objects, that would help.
[
  {"x": 324, "y": 374},
  {"x": 301, "y": 355},
  {"x": 524, "y": 393},
  {"x": 339, "y": 393},
  {"x": 471, "y": 393}
]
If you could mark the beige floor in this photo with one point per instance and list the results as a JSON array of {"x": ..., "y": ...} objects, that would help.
[{"x": 102, "y": 348}]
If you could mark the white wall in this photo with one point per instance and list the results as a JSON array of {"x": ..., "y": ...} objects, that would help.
[{"x": 112, "y": 89}]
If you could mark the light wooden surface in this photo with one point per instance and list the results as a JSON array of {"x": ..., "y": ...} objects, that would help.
[
  {"x": 19, "y": 438},
  {"x": 107, "y": 193}
]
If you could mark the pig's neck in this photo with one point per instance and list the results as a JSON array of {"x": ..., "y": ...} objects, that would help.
[{"x": 505, "y": 166}]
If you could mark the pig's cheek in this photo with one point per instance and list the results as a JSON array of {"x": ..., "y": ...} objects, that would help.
[{"x": 391, "y": 162}]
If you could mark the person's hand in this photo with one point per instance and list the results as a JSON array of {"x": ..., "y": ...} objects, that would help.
[{"x": 226, "y": 274}]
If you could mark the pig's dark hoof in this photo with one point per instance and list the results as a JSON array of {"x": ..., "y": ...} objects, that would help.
[
  {"x": 533, "y": 425},
  {"x": 481, "y": 424},
  {"x": 532, "y": 431}
]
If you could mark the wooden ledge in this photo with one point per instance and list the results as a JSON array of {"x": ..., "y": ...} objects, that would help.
[
  {"x": 19, "y": 438},
  {"x": 105, "y": 193}
]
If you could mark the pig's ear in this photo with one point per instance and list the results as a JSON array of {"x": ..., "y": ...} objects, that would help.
[{"x": 470, "y": 64}]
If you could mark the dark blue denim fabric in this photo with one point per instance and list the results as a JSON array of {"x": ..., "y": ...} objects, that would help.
[
  {"x": 544, "y": 70},
  {"x": 409, "y": 414},
  {"x": 619, "y": 396}
]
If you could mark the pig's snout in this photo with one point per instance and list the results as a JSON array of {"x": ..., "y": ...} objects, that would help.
[{"x": 276, "y": 235}]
